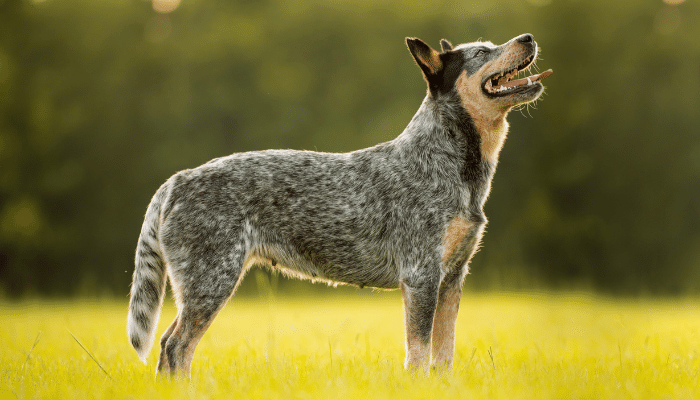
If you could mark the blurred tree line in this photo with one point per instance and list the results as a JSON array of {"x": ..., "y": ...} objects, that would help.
[{"x": 101, "y": 101}]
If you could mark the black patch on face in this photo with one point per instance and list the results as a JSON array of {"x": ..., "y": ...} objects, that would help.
[
  {"x": 466, "y": 59},
  {"x": 453, "y": 66},
  {"x": 442, "y": 73}
]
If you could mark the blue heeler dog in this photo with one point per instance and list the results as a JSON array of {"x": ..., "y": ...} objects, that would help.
[{"x": 403, "y": 214}]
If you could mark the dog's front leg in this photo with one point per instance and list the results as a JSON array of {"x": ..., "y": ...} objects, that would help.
[
  {"x": 419, "y": 301},
  {"x": 445, "y": 322}
]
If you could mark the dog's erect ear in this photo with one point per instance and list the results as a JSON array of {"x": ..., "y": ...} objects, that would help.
[
  {"x": 428, "y": 59},
  {"x": 446, "y": 45}
]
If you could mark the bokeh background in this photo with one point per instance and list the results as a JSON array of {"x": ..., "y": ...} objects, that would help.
[{"x": 598, "y": 186}]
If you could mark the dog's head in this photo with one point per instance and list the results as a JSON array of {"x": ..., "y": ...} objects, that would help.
[{"x": 481, "y": 73}]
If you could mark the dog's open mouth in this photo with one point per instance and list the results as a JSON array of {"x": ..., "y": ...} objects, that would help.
[{"x": 500, "y": 84}]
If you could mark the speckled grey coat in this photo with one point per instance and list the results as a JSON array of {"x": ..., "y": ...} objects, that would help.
[{"x": 403, "y": 214}]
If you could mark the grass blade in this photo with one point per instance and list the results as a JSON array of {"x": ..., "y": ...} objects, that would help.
[
  {"x": 471, "y": 358},
  {"x": 90, "y": 354},
  {"x": 32, "y": 349},
  {"x": 330, "y": 351}
]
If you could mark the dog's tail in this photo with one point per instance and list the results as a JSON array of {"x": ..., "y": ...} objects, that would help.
[{"x": 148, "y": 286}]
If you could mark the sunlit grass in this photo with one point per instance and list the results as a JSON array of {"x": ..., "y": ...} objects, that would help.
[{"x": 530, "y": 346}]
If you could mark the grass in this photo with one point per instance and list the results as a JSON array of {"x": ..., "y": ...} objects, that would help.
[{"x": 509, "y": 346}]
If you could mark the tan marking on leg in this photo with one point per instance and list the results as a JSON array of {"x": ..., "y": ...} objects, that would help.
[
  {"x": 163, "y": 367},
  {"x": 417, "y": 352},
  {"x": 457, "y": 229},
  {"x": 417, "y": 355},
  {"x": 173, "y": 366},
  {"x": 185, "y": 336},
  {"x": 191, "y": 346},
  {"x": 196, "y": 331},
  {"x": 444, "y": 325}
]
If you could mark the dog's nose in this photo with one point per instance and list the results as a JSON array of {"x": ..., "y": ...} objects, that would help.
[{"x": 526, "y": 38}]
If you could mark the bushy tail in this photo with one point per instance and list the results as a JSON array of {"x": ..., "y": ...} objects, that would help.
[{"x": 148, "y": 286}]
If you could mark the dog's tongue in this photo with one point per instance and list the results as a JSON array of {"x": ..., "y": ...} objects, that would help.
[{"x": 529, "y": 80}]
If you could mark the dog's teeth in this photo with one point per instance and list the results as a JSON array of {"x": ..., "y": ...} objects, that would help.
[{"x": 529, "y": 82}]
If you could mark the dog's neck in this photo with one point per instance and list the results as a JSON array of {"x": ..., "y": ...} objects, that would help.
[
  {"x": 493, "y": 134},
  {"x": 423, "y": 124},
  {"x": 478, "y": 135},
  {"x": 443, "y": 143},
  {"x": 490, "y": 122}
]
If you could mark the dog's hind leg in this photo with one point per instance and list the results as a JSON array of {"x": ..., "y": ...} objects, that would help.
[
  {"x": 163, "y": 366},
  {"x": 192, "y": 322},
  {"x": 419, "y": 301},
  {"x": 202, "y": 288}
]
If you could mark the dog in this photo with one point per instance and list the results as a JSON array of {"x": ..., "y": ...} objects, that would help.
[{"x": 405, "y": 214}]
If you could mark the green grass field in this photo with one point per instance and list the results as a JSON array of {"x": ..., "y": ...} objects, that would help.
[{"x": 509, "y": 346}]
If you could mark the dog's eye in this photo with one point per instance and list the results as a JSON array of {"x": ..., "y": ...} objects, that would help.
[{"x": 480, "y": 52}]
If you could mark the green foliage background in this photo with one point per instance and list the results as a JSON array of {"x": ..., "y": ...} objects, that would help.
[{"x": 101, "y": 101}]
